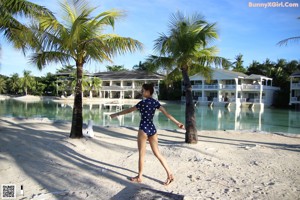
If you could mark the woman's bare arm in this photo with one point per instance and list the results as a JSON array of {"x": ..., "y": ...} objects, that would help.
[
  {"x": 179, "y": 124},
  {"x": 123, "y": 112}
]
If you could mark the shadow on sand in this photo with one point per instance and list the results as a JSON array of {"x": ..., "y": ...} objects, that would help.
[{"x": 47, "y": 158}]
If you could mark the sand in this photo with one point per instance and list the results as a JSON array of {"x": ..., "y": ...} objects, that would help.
[{"x": 38, "y": 154}]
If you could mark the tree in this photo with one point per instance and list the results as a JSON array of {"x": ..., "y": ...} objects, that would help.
[
  {"x": 254, "y": 68},
  {"x": 186, "y": 48},
  {"x": 115, "y": 68},
  {"x": 2, "y": 85},
  {"x": 291, "y": 39},
  {"x": 38, "y": 87},
  {"x": 14, "y": 83},
  {"x": 26, "y": 81},
  {"x": 15, "y": 31},
  {"x": 67, "y": 69},
  {"x": 50, "y": 82},
  {"x": 238, "y": 64},
  {"x": 146, "y": 66},
  {"x": 79, "y": 38},
  {"x": 96, "y": 84}
]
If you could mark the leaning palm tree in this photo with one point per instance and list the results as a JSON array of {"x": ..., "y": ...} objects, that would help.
[
  {"x": 14, "y": 30},
  {"x": 80, "y": 38},
  {"x": 186, "y": 48}
]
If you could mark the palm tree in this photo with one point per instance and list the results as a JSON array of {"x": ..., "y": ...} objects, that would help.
[
  {"x": 186, "y": 48},
  {"x": 115, "y": 68},
  {"x": 14, "y": 83},
  {"x": 96, "y": 84},
  {"x": 26, "y": 81},
  {"x": 2, "y": 85},
  {"x": 79, "y": 38},
  {"x": 255, "y": 68},
  {"x": 291, "y": 39},
  {"x": 146, "y": 66},
  {"x": 238, "y": 64},
  {"x": 15, "y": 31}
]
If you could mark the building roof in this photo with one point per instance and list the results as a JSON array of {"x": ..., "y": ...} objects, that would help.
[
  {"x": 121, "y": 75},
  {"x": 295, "y": 74},
  {"x": 222, "y": 74},
  {"x": 256, "y": 76},
  {"x": 129, "y": 75}
]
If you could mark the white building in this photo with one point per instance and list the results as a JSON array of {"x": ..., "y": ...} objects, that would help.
[
  {"x": 295, "y": 88},
  {"x": 229, "y": 88},
  {"x": 126, "y": 84}
]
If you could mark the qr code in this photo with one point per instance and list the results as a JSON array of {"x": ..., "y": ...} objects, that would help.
[{"x": 8, "y": 191}]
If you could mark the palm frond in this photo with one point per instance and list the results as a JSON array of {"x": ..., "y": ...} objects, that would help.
[
  {"x": 121, "y": 45},
  {"x": 42, "y": 59},
  {"x": 206, "y": 71},
  {"x": 286, "y": 41},
  {"x": 107, "y": 18},
  {"x": 160, "y": 61},
  {"x": 23, "y": 8}
]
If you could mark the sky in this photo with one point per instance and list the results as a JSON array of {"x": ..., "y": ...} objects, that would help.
[{"x": 243, "y": 28}]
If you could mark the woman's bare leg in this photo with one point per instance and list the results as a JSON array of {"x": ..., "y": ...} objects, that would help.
[
  {"x": 153, "y": 140},
  {"x": 142, "y": 139}
]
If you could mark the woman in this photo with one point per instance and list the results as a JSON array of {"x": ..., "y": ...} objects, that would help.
[{"x": 147, "y": 130}]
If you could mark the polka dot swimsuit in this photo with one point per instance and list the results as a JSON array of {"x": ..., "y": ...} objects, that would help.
[{"x": 147, "y": 109}]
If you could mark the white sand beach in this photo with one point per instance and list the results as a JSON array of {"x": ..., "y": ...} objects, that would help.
[{"x": 38, "y": 154}]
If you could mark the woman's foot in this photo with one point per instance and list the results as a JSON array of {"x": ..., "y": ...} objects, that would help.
[
  {"x": 169, "y": 180},
  {"x": 136, "y": 179}
]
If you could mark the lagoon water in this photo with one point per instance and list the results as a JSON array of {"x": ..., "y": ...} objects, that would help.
[{"x": 216, "y": 118}]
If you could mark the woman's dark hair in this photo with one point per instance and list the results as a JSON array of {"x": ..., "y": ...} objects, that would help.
[{"x": 149, "y": 87}]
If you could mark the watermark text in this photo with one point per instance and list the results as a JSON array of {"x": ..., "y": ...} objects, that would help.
[{"x": 273, "y": 4}]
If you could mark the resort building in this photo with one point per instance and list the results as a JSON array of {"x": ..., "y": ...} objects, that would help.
[
  {"x": 126, "y": 84},
  {"x": 295, "y": 88},
  {"x": 229, "y": 88}
]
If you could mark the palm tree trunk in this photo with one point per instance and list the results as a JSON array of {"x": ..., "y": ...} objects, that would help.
[
  {"x": 191, "y": 136},
  {"x": 77, "y": 119}
]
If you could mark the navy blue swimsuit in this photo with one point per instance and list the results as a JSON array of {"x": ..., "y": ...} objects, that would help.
[{"x": 147, "y": 109}]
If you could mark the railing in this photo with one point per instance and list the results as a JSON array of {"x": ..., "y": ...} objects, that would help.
[
  {"x": 295, "y": 86},
  {"x": 227, "y": 86},
  {"x": 127, "y": 87},
  {"x": 238, "y": 87},
  {"x": 196, "y": 86},
  {"x": 124, "y": 87},
  {"x": 202, "y": 99},
  {"x": 249, "y": 86},
  {"x": 252, "y": 100},
  {"x": 243, "y": 100},
  {"x": 211, "y": 87},
  {"x": 257, "y": 100},
  {"x": 232, "y": 99},
  {"x": 295, "y": 99}
]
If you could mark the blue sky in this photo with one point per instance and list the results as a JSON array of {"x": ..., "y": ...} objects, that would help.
[{"x": 252, "y": 32}]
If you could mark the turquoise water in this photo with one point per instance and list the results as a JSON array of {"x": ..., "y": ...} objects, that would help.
[{"x": 216, "y": 118}]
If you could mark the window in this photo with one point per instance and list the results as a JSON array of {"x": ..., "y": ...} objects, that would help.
[{"x": 230, "y": 82}]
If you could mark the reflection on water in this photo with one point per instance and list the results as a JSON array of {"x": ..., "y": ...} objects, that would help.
[{"x": 216, "y": 118}]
